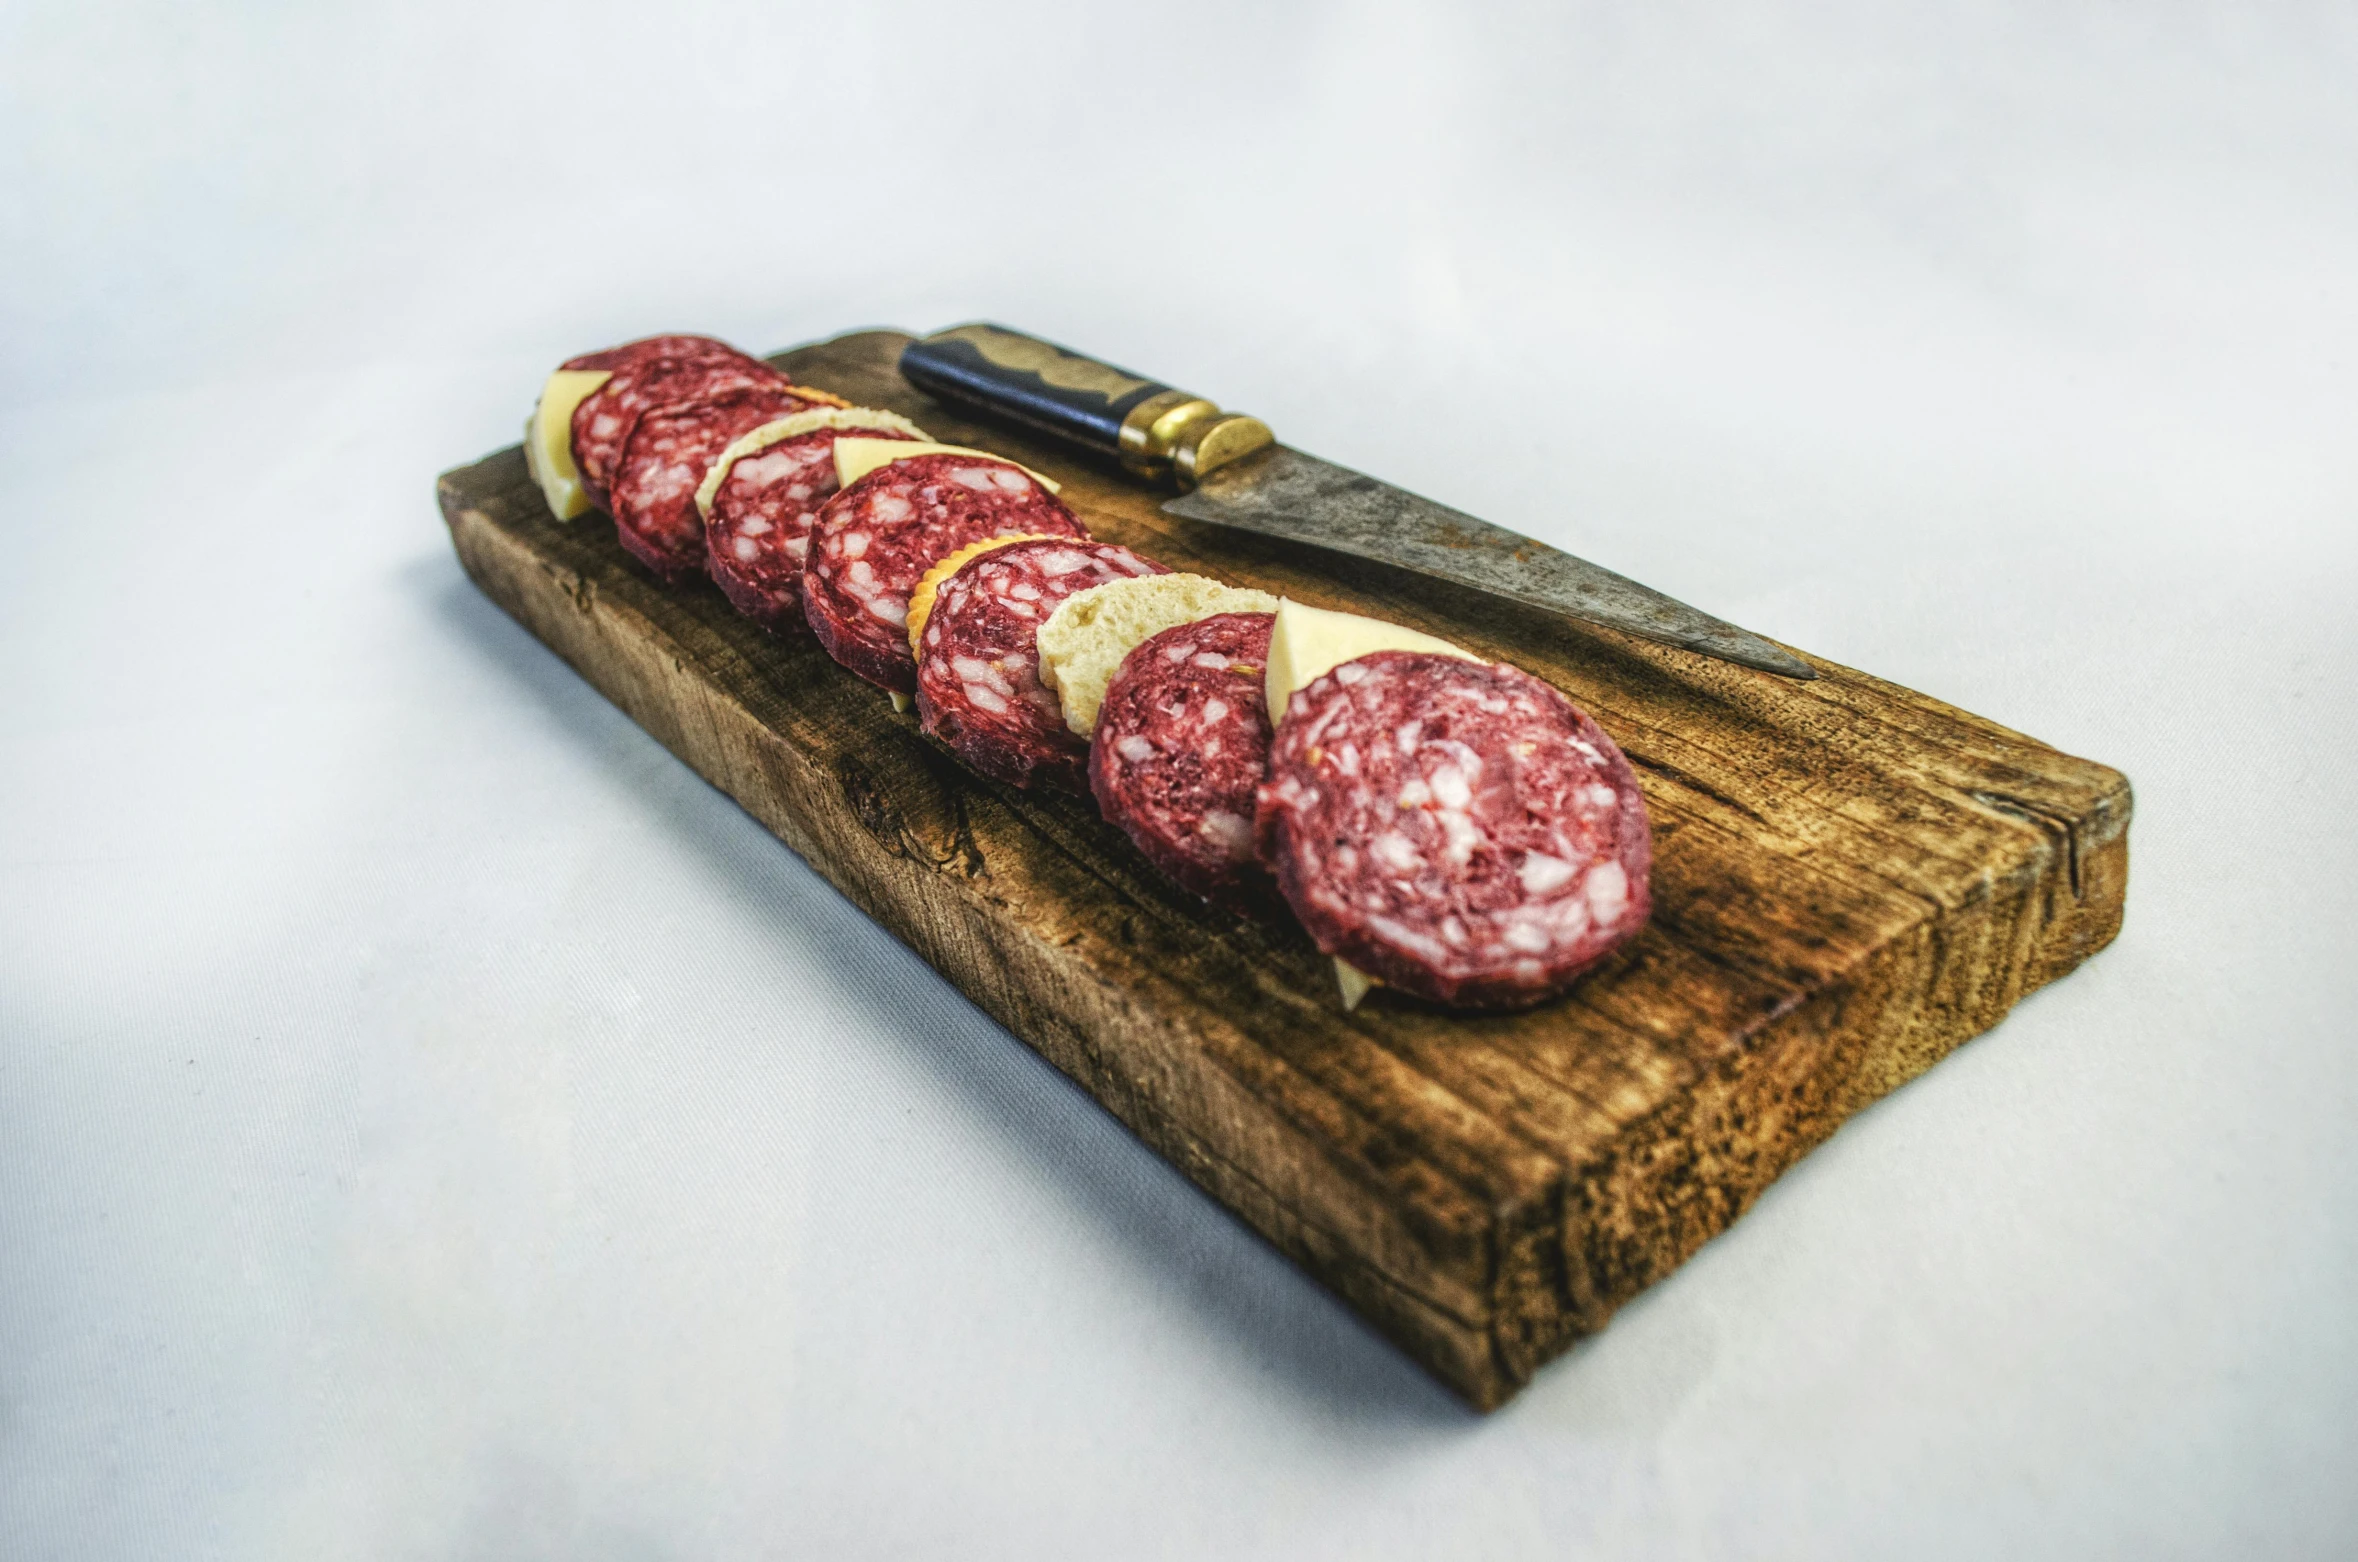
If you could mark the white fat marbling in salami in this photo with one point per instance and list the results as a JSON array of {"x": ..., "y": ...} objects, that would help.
[
  {"x": 978, "y": 662},
  {"x": 875, "y": 539},
  {"x": 1458, "y": 831},
  {"x": 654, "y": 487},
  {"x": 759, "y": 532},
  {"x": 1182, "y": 740}
]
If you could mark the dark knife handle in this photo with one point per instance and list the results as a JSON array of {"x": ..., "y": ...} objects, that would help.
[{"x": 1157, "y": 432}]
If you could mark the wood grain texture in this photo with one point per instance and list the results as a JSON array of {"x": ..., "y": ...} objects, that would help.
[{"x": 1850, "y": 879}]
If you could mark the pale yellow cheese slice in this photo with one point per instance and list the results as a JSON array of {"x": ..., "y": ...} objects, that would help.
[
  {"x": 856, "y": 458},
  {"x": 791, "y": 428},
  {"x": 1306, "y": 644},
  {"x": 1084, "y": 641},
  {"x": 922, "y": 594},
  {"x": 548, "y": 439}
]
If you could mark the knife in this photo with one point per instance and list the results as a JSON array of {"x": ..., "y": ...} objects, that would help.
[{"x": 1231, "y": 471}]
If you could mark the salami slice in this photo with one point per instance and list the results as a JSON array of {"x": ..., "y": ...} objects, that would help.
[
  {"x": 877, "y": 537},
  {"x": 652, "y": 347},
  {"x": 978, "y": 666},
  {"x": 654, "y": 490},
  {"x": 757, "y": 530},
  {"x": 1182, "y": 742},
  {"x": 1456, "y": 830},
  {"x": 609, "y": 415}
]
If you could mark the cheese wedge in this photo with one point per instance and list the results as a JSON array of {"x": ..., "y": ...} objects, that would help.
[
  {"x": 791, "y": 428},
  {"x": 1309, "y": 642},
  {"x": 1084, "y": 641},
  {"x": 548, "y": 439},
  {"x": 856, "y": 458},
  {"x": 922, "y": 594}
]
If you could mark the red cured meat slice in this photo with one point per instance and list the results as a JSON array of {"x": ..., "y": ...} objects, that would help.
[
  {"x": 758, "y": 535},
  {"x": 877, "y": 537},
  {"x": 609, "y": 415},
  {"x": 649, "y": 347},
  {"x": 978, "y": 670},
  {"x": 668, "y": 454},
  {"x": 1182, "y": 741},
  {"x": 1459, "y": 831}
]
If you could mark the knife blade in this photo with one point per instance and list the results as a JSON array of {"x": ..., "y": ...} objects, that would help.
[
  {"x": 1281, "y": 492},
  {"x": 1234, "y": 474}
]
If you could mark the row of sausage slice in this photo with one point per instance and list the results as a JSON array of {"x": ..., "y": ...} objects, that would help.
[{"x": 1453, "y": 829}]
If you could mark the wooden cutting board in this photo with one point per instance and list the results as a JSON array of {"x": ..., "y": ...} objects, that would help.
[{"x": 1849, "y": 880}]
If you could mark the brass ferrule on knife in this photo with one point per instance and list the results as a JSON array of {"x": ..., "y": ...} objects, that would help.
[
  {"x": 1161, "y": 434},
  {"x": 1181, "y": 437}
]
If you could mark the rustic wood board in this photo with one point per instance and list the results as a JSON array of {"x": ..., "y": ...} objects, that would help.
[{"x": 1850, "y": 879}]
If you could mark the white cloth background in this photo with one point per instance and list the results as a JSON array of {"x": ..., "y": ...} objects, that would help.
[{"x": 434, "y": 1124}]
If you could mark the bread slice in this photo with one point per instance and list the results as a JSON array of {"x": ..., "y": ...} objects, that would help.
[{"x": 1090, "y": 632}]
